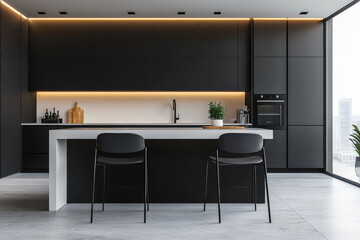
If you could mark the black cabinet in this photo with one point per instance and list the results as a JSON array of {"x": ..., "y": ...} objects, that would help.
[
  {"x": 124, "y": 75},
  {"x": 305, "y": 146},
  {"x": 269, "y": 75},
  {"x": 175, "y": 38},
  {"x": 305, "y": 38},
  {"x": 305, "y": 91},
  {"x": 67, "y": 38},
  {"x": 218, "y": 38},
  {"x": 243, "y": 74},
  {"x": 67, "y": 74},
  {"x": 276, "y": 150},
  {"x": 218, "y": 74},
  {"x": 244, "y": 39},
  {"x": 129, "y": 38},
  {"x": 175, "y": 74},
  {"x": 269, "y": 38},
  {"x": 10, "y": 34}
]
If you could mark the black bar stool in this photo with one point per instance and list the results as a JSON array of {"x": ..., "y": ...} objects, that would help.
[
  {"x": 120, "y": 149},
  {"x": 239, "y": 143}
]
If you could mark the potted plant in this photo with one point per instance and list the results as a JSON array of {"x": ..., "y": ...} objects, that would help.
[
  {"x": 355, "y": 139},
  {"x": 216, "y": 113}
]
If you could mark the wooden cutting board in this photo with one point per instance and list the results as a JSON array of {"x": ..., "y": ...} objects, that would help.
[
  {"x": 223, "y": 127},
  {"x": 76, "y": 114}
]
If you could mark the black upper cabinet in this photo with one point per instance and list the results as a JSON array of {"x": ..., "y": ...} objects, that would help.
[
  {"x": 306, "y": 91},
  {"x": 67, "y": 74},
  {"x": 175, "y": 38},
  {"x": 129, "y": 38},
  {"x": 139, "y": 55},
  {"x": 218, "y": 38},
  {"x": 305, "y": 38},
  {"x": 269, "y": 38},
  {"x": 243, "y": 39},
  {"x": 218, "y": 74},
  {"x": 10, "y": 34},
  {"x": 270, "y": 75},
  {"x": 123, "y": 74},
  {"x": 67, "y": 38},
  {"x": 175, "y": 74}
]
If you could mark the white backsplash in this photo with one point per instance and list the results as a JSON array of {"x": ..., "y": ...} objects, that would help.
[{"x": 139, "y": 107}]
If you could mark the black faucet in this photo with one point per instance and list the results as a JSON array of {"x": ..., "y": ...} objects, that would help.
[{"x": 174, "y": 112}]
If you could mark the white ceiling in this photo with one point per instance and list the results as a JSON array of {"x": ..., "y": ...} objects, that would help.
[{"x": 169, "y": 8}]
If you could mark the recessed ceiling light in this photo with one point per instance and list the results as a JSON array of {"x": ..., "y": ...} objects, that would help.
[
  {"x": 303, "y": 13},
  {"x": 181, "y": 13},
  {"x": 131, "y": 13},
  {"x": 63, "y": 13},
  {"x": 217, "y": 13},
  {"x": 41, "y": 13}
]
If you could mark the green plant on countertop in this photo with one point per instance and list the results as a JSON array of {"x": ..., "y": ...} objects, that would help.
[
  {"x": 355, "y": 139},
  {"x": 216, "y": 111}
]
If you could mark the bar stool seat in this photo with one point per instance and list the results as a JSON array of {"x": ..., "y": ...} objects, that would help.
[
  {"x": 120, "y": 160},
  {"x": 238, "y": 161}
]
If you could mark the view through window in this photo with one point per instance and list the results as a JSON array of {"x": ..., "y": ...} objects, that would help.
[{"x": 346, "y": 90}]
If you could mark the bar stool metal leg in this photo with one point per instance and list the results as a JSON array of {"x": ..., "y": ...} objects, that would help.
[
  {"x": 254, "y": 187},
  {"x": 145, "y": 184},
  {"x": 147, "y": 189},
  {"x": 93, "y": 190},
  {"x": 218, "y": 184},
  {"x": 206, "y": 182},
  {"x": 104, "y": 181},
  {"x": 266, "y": 185}
]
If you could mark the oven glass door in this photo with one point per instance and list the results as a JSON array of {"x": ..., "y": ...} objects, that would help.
[{"x": 270, "y": 114}]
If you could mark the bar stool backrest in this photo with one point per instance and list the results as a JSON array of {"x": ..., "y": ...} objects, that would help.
[
  {"x": 240, "y": 143},
  {"x": 118, "y": 143}
]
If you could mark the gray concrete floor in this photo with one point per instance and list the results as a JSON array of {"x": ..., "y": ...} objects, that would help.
[{"x": 304, "y": 206}]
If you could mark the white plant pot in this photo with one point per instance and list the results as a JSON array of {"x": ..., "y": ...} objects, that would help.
[
  {"x": 357, "y": 167},
  {"x": 217, "y": 122}
]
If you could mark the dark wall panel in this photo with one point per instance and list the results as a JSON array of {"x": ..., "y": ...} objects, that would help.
[
  {"x": 10, "y": 34},
  {"x": 305, "y": 38},
  {"x": 10, "y": 116}
]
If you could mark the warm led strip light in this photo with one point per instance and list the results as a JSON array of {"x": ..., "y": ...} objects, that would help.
[
  {"x": 149, "y": 19},
  {"x": 288, "y": 19},
  {"x": 12, "y": 9}
]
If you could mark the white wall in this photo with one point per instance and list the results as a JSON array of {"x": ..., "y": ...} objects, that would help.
[{"x": 139, "y": 107}]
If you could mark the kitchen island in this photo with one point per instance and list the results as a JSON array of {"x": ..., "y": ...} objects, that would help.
[{"x": 174, "y": 152}]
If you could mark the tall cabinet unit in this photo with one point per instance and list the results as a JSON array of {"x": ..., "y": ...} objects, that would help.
[
  {"x": 270, "y": 50},
  {"x": 305, "y": 94}
]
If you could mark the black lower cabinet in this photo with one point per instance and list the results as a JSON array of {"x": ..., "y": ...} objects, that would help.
[
  {"x": 276, "y": 150},
  {"x": 306, "y": 147}
]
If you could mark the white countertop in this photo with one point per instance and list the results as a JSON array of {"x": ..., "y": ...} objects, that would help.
[{"x": 125, "y": 124}]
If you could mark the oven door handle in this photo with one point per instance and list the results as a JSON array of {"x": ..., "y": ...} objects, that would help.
[{"x": 271, "y": 101}]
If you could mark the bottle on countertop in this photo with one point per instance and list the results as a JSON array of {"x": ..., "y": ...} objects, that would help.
[
  {"x": 50, "y": 115},
  {"x": 54, "y": 114},
  {"x": 57, "y": 115},
  {"x": 46, "y": 114}
]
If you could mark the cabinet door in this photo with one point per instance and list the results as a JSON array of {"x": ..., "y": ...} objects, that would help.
[
  {"x": 306, "y": 146},
  {"x": 270, "y": 75},
  {"x": 175, "y": 74},
  {"x": 243, "y": 72},
  {"x": 218, "y": 38},
  {"x": 276, "y": 150},
  {"x": 305, "y": 91},
  {"x": 175, "y": 38},
  {"x": 305, "y": 38},
  {"x": 218, "y": 74},
  {"x": 269, "y": 38}
]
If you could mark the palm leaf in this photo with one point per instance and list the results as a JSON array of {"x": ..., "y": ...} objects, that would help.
[{"x": 355, "y": 139}]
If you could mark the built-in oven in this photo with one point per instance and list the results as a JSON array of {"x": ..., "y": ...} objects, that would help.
[{"x": 270, "y": 111}]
